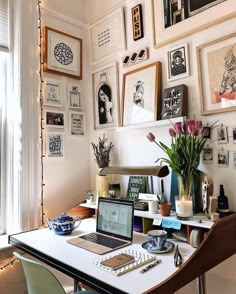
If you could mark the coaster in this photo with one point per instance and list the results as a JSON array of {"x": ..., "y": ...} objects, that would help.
[{"x": 168, "y": 247}]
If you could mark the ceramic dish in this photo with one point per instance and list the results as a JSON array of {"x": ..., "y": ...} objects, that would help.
[{"x": 169, "y": 246}]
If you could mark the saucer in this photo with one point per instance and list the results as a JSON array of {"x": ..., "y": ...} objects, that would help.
[{"x": 169, "y": 246}]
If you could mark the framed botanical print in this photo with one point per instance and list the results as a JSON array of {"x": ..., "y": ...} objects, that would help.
[
  {"x": 216, "y": 75},
  {"x": 74, "y": 96},
  {"x": 105, "y": 97},
  {"x": 76, "y": 123},
  {"x": 62, "y": 54},
  {"x": 55, "y": 144},
  {"x": 178, "y": 62},
  {"x": 52, "y": 93},
  {"x": 141, "y": 95}
]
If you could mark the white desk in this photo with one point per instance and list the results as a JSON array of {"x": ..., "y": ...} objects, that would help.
[{"x": 79, "y": 263}]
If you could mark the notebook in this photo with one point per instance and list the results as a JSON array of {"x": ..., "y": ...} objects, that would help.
[{"x": 114, "y": 227}]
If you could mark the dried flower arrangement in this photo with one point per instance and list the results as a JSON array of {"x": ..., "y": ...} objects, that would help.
[{"x": 102, "y": 151}]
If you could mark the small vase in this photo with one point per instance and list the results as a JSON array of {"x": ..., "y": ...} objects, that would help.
[
  {"x": 102, "y": 185},
  {"x": 165, "y": 209},
  {"x": 183, "y": 202}
]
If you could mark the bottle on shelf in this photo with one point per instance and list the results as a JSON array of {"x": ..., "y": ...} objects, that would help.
[{"x": 223, "y": 203}]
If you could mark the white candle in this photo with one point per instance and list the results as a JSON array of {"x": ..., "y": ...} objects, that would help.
[{"x": 184, "y": 208}]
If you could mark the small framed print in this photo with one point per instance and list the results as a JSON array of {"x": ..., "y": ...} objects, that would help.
[
  {"x": 206, "y": 132},
  {"x": 52, "y": 93},
  {"x": 55, "y": 144},
  {"x": 208, "y": 155},
  {"x": 55, "y": 119},
  {"x": 74, "y": 96},
  {"x": 178, "y": 62},
  {"x": 223, "y": 158},
  {"x": 76, "y": 124},
  {"x": 234, "y": 159},
  {"x": 137, "y": 22},
  {"x": 234, "y": 134},
  {"x": 222, "y": 135}
]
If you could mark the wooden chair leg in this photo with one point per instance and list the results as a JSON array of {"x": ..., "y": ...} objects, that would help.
[{"x": 201, "y": 284}]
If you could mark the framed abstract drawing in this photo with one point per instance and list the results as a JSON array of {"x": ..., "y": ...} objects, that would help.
[
  {"x": 74, "y": 96},
  {"x": 108, "y": 35},
  {"x": 62, "y": 54},
  {"x": 76, "y": 124},
  {"x": 105, "y": 97},
  {"x": 55, "y": 144},
  {"x": 52, "y": 93},
  {"x": 141, "y": 95},
  {"x": 178, "y": 62},
  {"x": 216, "y": 75}
]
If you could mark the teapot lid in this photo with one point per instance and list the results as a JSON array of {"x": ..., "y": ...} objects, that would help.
[{"x": 63, "y": 217}]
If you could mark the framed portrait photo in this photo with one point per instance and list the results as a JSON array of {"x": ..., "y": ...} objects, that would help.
[
  {"x": 55, "y": 144},
  {"x": 52, "y": 93},
  {"x": 216, "y": 75},
  {"x": 141, "y": 95},
  {"x": 76, "y": 124},
  {"x": 208, "y": 155},
  {"x": 74, "y": 96},
  {"x": 178, "y": 62},
  {"x": 55, "y": 119},
  {"x": 233, "y": 134},
  {"x": 222, "y": 135},
  {"x": 105, "y": 97},
  {"x": 223, "y": 158},
  {"x": 62, "y": 53}
]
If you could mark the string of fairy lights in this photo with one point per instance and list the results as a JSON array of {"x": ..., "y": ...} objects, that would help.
[{"x": 41, "y": 81}]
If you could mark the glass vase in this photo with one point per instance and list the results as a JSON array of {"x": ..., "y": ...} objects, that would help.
[{"x": 183, "y": 202}]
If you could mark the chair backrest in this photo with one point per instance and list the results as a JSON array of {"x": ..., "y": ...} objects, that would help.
[
  {"x": 39, "y": 278},
  {"x": 217, "y": 246}
]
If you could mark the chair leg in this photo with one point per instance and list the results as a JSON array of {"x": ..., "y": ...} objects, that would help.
[
  {"x": 201, "y": 284},
  {"x": 77, "y": 286}
]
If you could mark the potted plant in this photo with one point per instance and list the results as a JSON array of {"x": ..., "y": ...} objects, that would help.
[{"x": 164, "y": 205}]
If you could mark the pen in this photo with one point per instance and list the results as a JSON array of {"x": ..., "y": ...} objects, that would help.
[{"x": 151, "y": 265}]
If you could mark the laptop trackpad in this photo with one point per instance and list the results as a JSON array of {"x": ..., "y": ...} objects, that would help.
[{"x": 96, "y": 248}]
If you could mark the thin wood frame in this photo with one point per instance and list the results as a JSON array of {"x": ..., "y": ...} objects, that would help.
[
  {"x": 69, "y": 65},
  {"x": 154, "y": 102}
]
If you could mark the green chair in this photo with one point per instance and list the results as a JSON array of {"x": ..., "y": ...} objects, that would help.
[{"x": 40, "y": 280}]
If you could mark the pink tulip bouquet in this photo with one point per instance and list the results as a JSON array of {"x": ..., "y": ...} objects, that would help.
[{"x": 183, "y": 155}]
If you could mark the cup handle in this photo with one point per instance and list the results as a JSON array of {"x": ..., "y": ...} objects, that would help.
[{"x": 78, "y": 220}]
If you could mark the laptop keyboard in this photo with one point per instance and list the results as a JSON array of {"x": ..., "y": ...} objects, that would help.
[{"x": 103, "y": 240}]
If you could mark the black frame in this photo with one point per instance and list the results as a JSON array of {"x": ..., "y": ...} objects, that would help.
[{"x": 137, "y": 22}]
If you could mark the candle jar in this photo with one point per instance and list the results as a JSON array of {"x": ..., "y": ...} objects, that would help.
[{"x": 184, "y": 208}]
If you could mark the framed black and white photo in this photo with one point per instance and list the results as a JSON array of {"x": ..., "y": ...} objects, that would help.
[
  {"x": 234, "y": 134},
  {"x": 55, "y": 119},
  {"x": 105, "y": 97},
  {"x": 74, "y": 96},
  {"x": 62, "y": 54},
  {"x": 55, "y": 144},
  {"x": 76, "y": 124},
  {"x": 234, "y": 159},
  {"x": 178, "y": 62},
  {"x": 222, "y": 135},
  {"x": 206, "y": 132},
  {"x": 174, "y": 102},
  {"x": 108, "y": 35},
  {"x": 223, "y": 158},
  {"x": 52, "y": 93},
  {"x": 208, "y": 155}
]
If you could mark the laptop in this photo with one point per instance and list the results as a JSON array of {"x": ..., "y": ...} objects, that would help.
[{"x": 114, "y": 227}]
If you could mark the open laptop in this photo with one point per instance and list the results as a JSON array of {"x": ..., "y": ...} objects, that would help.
[{"x": 114, "y": 227}]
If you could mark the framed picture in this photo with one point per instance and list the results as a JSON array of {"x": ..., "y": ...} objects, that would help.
[
  {"x": 141, "y": 95},
  {"x": 216, "y": 75},
  {"x": 208, "y": 155},
  {"x": 76, "y": 124},
  {"x": 74, "y": 96},
  {"x": 223, "y": 158},
  {"x": 62, "y": 54},
  {"x": 135, "y": 57},
  {"x": 137, "y": 22},
  {"x": 174, "y": 102},
  {"x": 105, "y": 97},
  {"x": 206, "y": 133},
  {"x": 178, "y": 62},
  {"x": 171, "y": 21},
  {"x": 55, "y": 119},
  {"x": 108, "y": 35},
  {"x": 234, "y": 134},
  {"x": 222, "y": 135},
  {"x": 55, "y": 144},
  {"x": 52, "y": 93},
  {"x": 234, "y": 159}
]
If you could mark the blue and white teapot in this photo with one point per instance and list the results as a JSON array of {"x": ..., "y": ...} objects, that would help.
[{"x": 63, "y": 224}]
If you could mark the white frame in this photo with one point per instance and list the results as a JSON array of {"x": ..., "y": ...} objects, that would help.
[
  {"x": 226, "y": 154},
  {"x": 79, "y": 131},
  {"x": 234, "y": 159},
  {"x": 60, "y": 113},
  {"x": 225, "y": 132},
  {"x": 209, "y": 17},
  {"x": 62, "y": 146},
  {"x": 77, "y": 100},
  {"x": 56, "y": 93},
  {"x": 233, "y": 131},
  {"x": 112, "y": 26},
  {"x": 205, "y": 157},
  {"x": 184, "y": 50},
  {"x": 109, "y": 75}
]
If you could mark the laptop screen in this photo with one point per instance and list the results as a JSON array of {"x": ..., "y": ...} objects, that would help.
[{"x": 115, "y": 217}]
